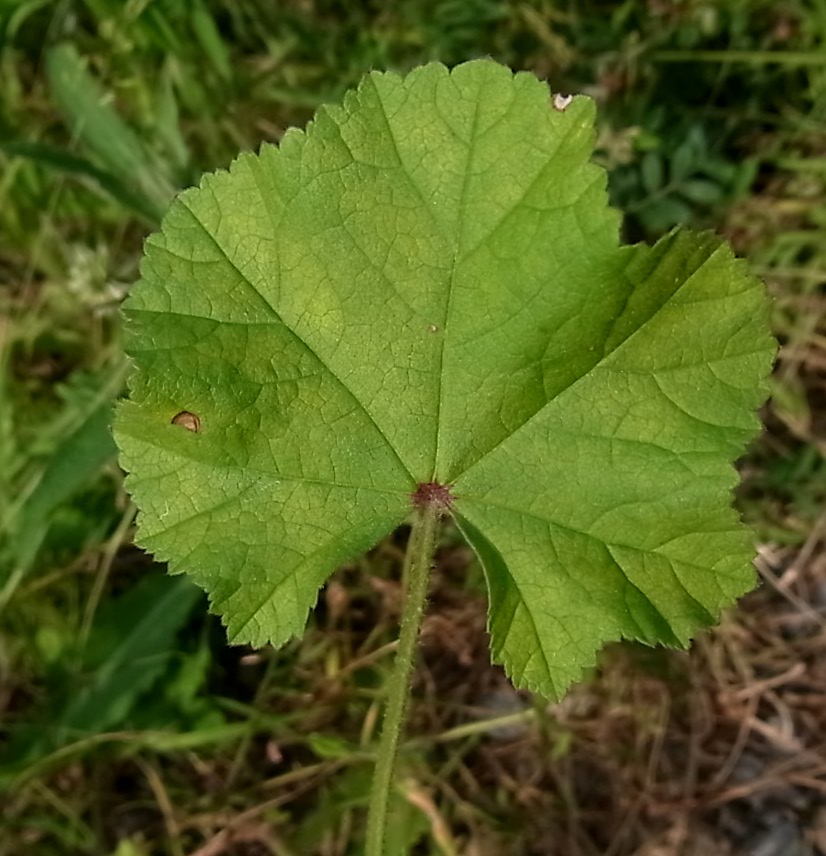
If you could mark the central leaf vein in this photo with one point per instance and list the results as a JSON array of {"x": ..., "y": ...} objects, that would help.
[
  {"x": 579, "y": 378},
  {"x": 302, "y": 342},
  {"x": 451, "y": 282}
]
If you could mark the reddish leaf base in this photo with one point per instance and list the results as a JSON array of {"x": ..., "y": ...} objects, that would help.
[{"x": 433, "y": 494}]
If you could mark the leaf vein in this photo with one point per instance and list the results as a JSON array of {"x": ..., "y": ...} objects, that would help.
[{"x": 302, "y": 342}]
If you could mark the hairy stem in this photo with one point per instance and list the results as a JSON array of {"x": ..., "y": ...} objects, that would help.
[{"x": 419, "y": 558}]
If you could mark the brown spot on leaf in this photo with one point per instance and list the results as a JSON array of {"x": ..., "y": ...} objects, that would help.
[{"x": 187, "y": 420}]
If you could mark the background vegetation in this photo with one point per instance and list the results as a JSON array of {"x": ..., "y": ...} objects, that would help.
[{"x": 128, "y": 726}]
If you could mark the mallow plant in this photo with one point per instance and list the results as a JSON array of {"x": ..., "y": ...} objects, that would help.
[{"x": 419, "y": 308}]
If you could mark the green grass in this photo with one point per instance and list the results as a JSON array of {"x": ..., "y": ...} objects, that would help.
[{"x": 128, "y": 726}]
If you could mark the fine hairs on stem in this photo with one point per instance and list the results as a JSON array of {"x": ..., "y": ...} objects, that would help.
[{"x": 417, "y": 564}]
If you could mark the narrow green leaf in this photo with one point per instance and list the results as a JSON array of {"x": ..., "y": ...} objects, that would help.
[
  {"x": 426, "y": 287},
  {"x": 92, "y": 118},
  {"x": 652, "y": 171},
  {"x": 84, "y": 170},
  {"x": 684, "y": 161},
  {"x": 702, "y": 191},
  {"x": 73, "y": 465},
  {"x": 167, "y": 125},
  {"x": 210, "y": 39},
  {"x": 130, "y": 648},
  {"x": 128, "y": 651},
  {"x": 663, "y": 213}
]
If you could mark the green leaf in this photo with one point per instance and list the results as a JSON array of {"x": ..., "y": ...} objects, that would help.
[
  {"x": 663, "y": 213},
  {"x": 130, "y": 647},
  {"x": 427, "y": 286},
  {"x": 209, "y": 36},
  {"x": 72, "y": 466},
  {"x": 85, "y": 445},
  {"x": 92, "y": 119},
  {"x": 82, "y": 169},
  {"x": 652, "y": 171},
  {"x": 684, "y": 161},
  {"x": 701, "y": 191}
]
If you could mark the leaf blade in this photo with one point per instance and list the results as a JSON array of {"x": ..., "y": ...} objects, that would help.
[
  {"x": 632, "y": 464},
  {"x": 427, "y": 285}
]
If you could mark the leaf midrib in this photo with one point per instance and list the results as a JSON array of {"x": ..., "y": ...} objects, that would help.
[
  {"x": 607, "y": 544},
  {"x": 246, "y": 468},
  {"x": 275, "y": 314},
  {"x": 454, "y": 266},
  {"x": 525, "y": 425}
]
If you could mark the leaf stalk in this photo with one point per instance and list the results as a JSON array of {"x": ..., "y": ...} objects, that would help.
[{"x": 418, "y": 561}]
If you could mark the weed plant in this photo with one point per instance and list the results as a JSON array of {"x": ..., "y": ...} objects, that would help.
[{"x": 128, "y": 726}]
